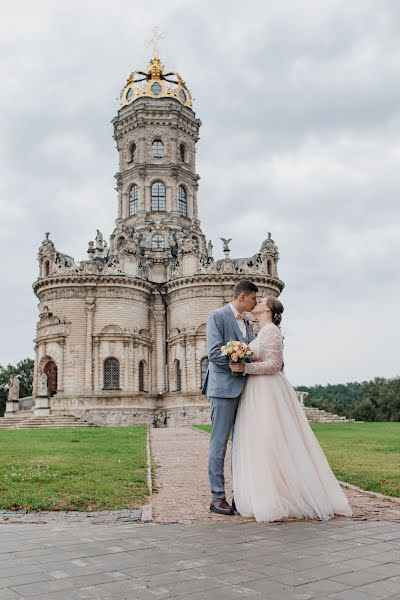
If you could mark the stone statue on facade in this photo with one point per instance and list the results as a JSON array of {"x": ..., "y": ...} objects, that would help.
[
  {"x": 13, "y": 390},
  {"x": 210, "y": 249},
  {"x": 12, "y": 404},
  {"x": 99, "y": 240},
  {"x": 100, "y": 245},
  {"x": 43, "y": 390},
  {"x": 225, "y": 243}
]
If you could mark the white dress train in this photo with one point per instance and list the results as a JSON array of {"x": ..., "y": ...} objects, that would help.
[{"x": 279, "y": 469}]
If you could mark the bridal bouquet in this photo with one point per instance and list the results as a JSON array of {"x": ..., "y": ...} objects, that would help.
[{"x": 237, "y": 352}]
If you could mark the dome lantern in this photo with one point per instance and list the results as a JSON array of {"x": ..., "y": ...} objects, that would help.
[{"x": 155, "y": 84}]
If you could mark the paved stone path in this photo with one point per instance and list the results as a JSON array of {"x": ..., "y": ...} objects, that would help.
[
  {"x": 336, "y": 560},
  {"x": 183, "y": 496}
]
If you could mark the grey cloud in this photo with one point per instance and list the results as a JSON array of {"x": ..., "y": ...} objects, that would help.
[{"x": 299, "y": 103}]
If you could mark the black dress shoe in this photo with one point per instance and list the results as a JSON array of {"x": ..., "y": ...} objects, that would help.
[
  {"x": 221, "y": 507},
  {"x": 234, "y": 505}
]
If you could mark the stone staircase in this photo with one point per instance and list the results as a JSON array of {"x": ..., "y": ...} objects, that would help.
[
  {"x": 317, "y": 415},
  {"x": 29, "y": 421}
]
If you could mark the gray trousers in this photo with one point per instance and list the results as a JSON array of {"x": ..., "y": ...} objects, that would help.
[{"x": 223, "y": 414}]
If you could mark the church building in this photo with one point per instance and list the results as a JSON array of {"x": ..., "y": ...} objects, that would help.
[{"x": 121, "y": 335}]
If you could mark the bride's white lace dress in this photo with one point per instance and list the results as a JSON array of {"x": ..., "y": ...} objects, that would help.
[{"x": 279, "y": 469}]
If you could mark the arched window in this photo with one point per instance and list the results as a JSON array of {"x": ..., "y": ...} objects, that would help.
[
  {"x": 134, "y": 200},
  {"x": 157, "y": 149},
  {"x": 111, "y": 373},
  {"x": 46, "y": 269},
  {"x": 182, "y": 152},
  {"x": 120, "y": 242},
  {"x": 142, "y": 376},
  {"x": 132, "y": 153},
  {"x": 203, "y": 369},
  {"x": 158, "y": 196},
  {"x": 182, "y": 203},
  {"x": 158, "y": 242},
  {"x": 178, "y": 375}
]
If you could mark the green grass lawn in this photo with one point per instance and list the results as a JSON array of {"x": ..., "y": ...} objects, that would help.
[
  {"x": 73, "y": 469},
  {"x": 364, "y": 454}
]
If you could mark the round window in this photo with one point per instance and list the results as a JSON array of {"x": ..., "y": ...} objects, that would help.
[
  {"x": 129, "y": 94},
  {"x": 182, "y": 96},
  {"x": 156, "y": 88}
]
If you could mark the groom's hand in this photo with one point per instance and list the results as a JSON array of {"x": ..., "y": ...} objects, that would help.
[{"x": 237, "y": 368}]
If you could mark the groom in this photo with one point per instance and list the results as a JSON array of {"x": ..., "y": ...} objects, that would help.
[{"x": 222, "y": 387}]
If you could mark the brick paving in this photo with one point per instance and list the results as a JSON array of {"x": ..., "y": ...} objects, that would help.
[
  {"x": 335, "y": 560},
  {"x": 183, "y": 495}
]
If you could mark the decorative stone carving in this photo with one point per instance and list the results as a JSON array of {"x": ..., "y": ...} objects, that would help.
[
  {"x": 225, "y": 243},
  {"x": 42, "y": 390},
  {"x": 12, "y": 404},
  {"x": 13, "y": 390}
]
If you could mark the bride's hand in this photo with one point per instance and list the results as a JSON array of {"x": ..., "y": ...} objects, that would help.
[{"x": 237, "y": 367}]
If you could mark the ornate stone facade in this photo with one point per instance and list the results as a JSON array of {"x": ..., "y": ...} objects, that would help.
[{"x": 121, "y": 335}]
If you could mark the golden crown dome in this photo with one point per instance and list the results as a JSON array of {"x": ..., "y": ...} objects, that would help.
[{"x": 155, "y": 84}]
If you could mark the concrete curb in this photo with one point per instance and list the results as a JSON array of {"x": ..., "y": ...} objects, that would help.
[
  {"x": 147, "y": 510},
  {"x": 350, "y": 486}
]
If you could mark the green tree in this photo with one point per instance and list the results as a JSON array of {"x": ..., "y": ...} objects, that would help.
[
  {"x": 24, "y": 371},
  {"x": 375, "y": 400},
  {"x": 336, "y": 398}
]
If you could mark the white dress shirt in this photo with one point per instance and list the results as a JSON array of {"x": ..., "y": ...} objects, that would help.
[{"x": 240, "y": 322}]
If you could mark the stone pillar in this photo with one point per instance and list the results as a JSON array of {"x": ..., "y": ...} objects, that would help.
[
  {"x": 160, "y": 349},
  {"x": 42, "y": 407},
  {"x": 194, "y": 214},
  {"x": 119, "y": 190},
  {"x": 96, "y": 386},
  {"x": 135, "y": 368},
  {"x": 174, "y": 150},
  {"x": 60, "y": 374},
  {"x": 169, "y": 205},
  {"x": 141, "y": 150},
  {"x": 191, "y": 367},
  {"x": 142, "y": 189},
  {"x": 147, "y": 198},
  {"x": 126, "y": 365},
  {"x": 89, "y": 308},
  {"x": 125, "y": 205},
  {"x": 184, "y": 365},
  {"x": 198, "y": 366}
]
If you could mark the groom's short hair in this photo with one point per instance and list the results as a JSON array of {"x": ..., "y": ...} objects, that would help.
[{"x": 244, "y": 286}]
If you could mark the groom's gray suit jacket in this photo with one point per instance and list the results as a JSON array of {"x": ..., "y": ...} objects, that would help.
[{"x": 222, "y": 326}]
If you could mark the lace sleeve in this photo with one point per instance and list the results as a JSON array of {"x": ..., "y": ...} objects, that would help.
[{"x": 269, "y": 350}]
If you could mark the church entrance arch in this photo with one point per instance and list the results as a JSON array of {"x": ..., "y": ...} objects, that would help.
[{"x": 50, "y": 369}]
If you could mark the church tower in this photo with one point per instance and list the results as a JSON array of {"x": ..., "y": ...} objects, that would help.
[
  {"x": 156, "y": 132},
  {"x": 121, "y": 335}
]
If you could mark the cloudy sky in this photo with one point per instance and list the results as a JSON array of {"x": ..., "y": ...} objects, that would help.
[{"x": 300, "y": 105}]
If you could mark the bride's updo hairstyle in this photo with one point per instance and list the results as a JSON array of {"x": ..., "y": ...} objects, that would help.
[{"x": 277, "y": 309}]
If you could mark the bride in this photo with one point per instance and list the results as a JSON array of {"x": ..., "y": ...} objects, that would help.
[{"x": 279, "y": 469}]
